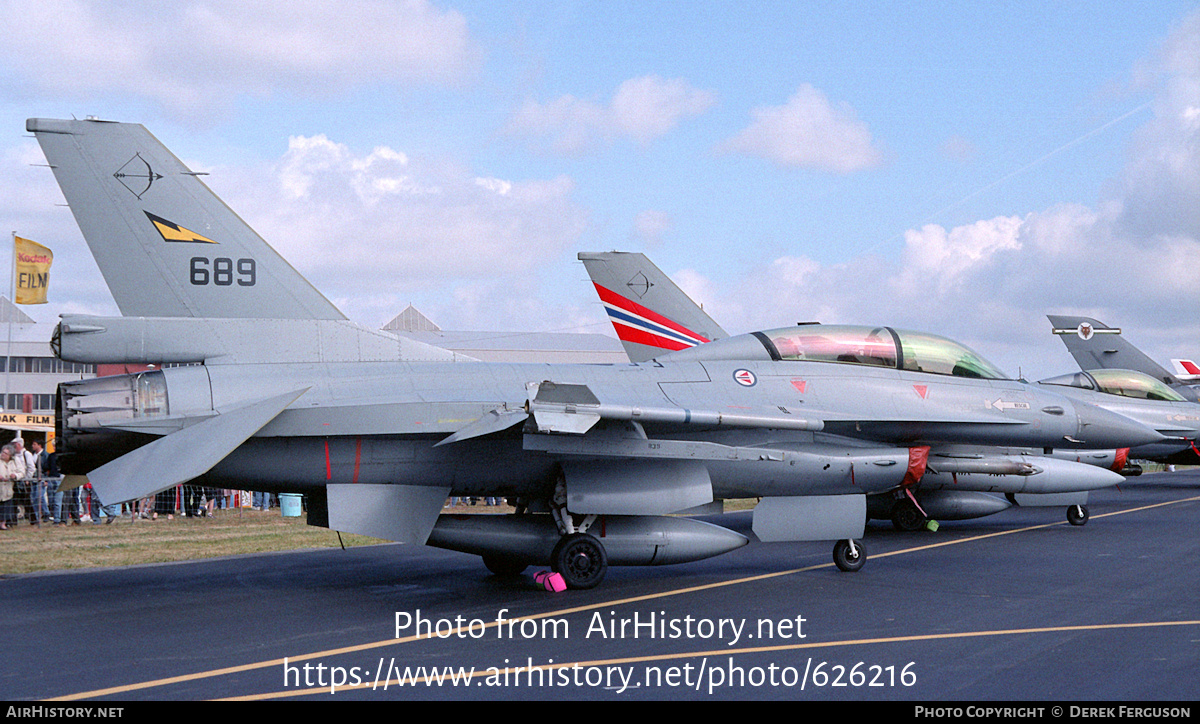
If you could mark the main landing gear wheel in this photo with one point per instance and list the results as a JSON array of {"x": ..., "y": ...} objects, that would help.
[
  {"x": 1077, "y": 515},
  {"x": 849, "y": 555},
  {"x": 906, "y": 516},
  {"x": 581, "y": 560},
  {"x": 504, "y": 565}
]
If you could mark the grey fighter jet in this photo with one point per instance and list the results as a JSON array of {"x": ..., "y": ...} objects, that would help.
[
  {"x": 1140, "y": 397},
  {"x": 1097, "y": 346},
  {"x": 654, "y": 317},
  {"x": 1121, "y": 378},
  {"x": 275, "y": 390}
]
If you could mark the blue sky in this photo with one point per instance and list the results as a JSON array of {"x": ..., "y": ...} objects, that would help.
[{"x": 957, "y": 168}]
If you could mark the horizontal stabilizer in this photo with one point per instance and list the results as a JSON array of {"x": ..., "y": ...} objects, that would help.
[
  {"x": 183, "y": 455},
  {"x": 402, "y": 513}
]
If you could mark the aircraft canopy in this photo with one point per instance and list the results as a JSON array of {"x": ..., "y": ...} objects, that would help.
[
  {"x": 1126, "y": 383},
  {"x": 880, "y": 347}
]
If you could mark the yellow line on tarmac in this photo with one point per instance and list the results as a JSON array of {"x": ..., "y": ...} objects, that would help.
[
  {"x": 560, "y": 612},
  {"x": 408, "y": 639},
  {"x": 1025, "y": 530},
  {"x": 504, "y": 674}
]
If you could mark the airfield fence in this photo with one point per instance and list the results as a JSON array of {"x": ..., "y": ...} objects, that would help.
[{"x": 31, "y": 500}]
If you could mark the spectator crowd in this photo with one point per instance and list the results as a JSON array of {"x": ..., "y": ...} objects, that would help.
[{"x": 31, "y": 488}]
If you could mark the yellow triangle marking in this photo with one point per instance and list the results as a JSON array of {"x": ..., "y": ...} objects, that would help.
[{"x": 174, "y": 232}]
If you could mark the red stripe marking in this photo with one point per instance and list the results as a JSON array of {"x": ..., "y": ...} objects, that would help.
[
  {"x": 629, "y": 334},
  {"x": 357, "y": 456},
  {"x": 328, "y": 467},
  {"x": 1190, "y": 366},
  {"x": 629, "y": 305}
]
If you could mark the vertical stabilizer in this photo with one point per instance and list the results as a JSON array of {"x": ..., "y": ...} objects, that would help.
[
  {"x": 166, "y": 245},
  {"x": 1096, "y": 346},
  {"x": 1186, "y": 370},
  {"x": 650, "y": 314}
]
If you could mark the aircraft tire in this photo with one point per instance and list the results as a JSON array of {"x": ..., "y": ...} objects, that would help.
[
  {"x": 847, "y": 561},
  {"x": 581, "y": 560},
  {"x": 504, "y": 565},
  {"x": 1077, "y": 514},
  {"x": 907, "y": 517}
]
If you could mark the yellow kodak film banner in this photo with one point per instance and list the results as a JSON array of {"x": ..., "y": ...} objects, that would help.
[{"x": 32, "y": 262}]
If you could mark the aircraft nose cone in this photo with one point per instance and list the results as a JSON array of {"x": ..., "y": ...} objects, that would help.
[{"x": 1099, "y": 428}]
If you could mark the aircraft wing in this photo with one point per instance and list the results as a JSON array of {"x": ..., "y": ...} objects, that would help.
[{"x": 186, "y": 454}]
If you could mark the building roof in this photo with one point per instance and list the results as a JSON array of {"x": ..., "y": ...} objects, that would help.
[
  {"x": 510, "y": 346},
  {"x": 9, "y": 312},
  {"x": 411, "y": 320}
]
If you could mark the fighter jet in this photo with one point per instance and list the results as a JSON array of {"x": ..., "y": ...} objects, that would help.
[
  {"x": 1121, "y": 378},
  {"x": 1096, "y": 346},
  {"x": 653, "y": 317},
  {"x": 1143, "y": 398},
  {"x": 273, "y": 389}
]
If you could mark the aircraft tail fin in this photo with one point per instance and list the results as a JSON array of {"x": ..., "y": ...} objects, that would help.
[
  {"x": 1186, "y": 370},
  {"x": 650, "y": 314},
  {"x": 1096, "y": 346},
  {"x": 165, "y": 243}
]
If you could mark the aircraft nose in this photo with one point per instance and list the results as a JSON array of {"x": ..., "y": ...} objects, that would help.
[{"x": 1102, "y": 429}]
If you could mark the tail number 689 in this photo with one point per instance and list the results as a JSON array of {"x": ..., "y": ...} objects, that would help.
[{"x": 222, "y": 271}]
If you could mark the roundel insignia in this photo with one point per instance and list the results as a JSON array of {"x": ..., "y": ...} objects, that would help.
[
  {"x": 744, "y": 377},
  {"x": 1085, "y": 331}
]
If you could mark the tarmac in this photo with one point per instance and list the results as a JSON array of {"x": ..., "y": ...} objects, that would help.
[{"x": 1020, "y": 606}]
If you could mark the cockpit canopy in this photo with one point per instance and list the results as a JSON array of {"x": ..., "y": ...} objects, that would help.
[
  {"x": 1126, "y": 383},
  {"x": 878, "y": 347}
]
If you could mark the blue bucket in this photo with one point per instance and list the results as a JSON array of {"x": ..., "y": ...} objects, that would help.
[{"x": 289, "y": 505}]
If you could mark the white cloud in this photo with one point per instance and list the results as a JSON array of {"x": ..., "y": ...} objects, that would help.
[
  {"x": 353, "y": 223},
  {"x": 808, "y": 132},
  {"x": 942, "y": 261},
  {"x": 649, "y": 107},
  {"x": 195, "y": 58},
  {"x": 642, "y": 109},
  {"x": 1131, "y": 261},
  {"x": 990, "y": 284},
  {"x": 1161, "y": 182}
]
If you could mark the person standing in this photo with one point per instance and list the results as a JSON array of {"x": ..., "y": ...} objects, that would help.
[
  {"x": 42, "y": 486},
  {"x": 10, "y": 473},
  {"x": 23, "y": 496}
]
